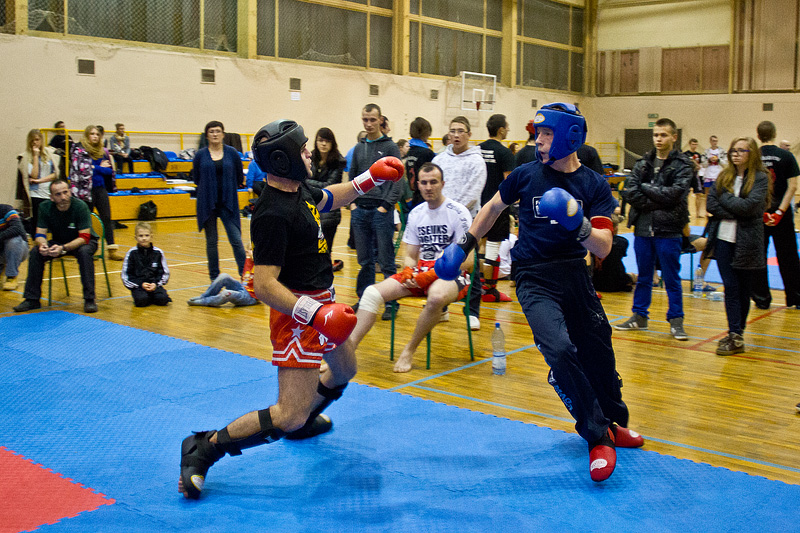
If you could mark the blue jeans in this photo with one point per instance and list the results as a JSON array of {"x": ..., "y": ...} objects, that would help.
[
  {"x": 370, "y": 226},
  {"x": 222, "y": 290},
  {"x": 668, "y": 252},
  {"x": 230, "y": 223},
  {"x": 12, "y": 253}
]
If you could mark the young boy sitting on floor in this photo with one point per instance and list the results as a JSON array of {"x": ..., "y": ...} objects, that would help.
[{"x": 145, "y": 271}]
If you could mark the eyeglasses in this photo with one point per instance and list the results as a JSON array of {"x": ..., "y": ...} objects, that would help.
[{"x": 740, "y": 151}]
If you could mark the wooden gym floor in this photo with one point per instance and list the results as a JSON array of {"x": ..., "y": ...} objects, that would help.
[{"x": 736, "y": 412}]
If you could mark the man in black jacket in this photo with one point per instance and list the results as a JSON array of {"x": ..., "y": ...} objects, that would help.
[{"x": 657, "y": 192}]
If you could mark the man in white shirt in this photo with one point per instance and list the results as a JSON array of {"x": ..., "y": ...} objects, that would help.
[{"x": 431, "y": 227}]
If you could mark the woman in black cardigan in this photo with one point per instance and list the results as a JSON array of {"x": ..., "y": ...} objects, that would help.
[
  {"x": 736, "y": 233},
  {"x": 327, "y": 165}
]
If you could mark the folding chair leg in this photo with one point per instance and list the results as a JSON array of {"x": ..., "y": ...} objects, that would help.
[
  {"x": 428, "y": 366},
  {"x": 391, "y": 340},
  {"x": 105, "y": 270},
  {"x": 64, "y": 273}
]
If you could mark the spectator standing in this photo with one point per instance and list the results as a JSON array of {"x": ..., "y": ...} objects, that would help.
[
  {"x": 92, "y": 178},
  {"x": 372, "y": 214},
  {"x": 418, "y": 154},
  {"x": 327, "y": 167},
  {"x": 499, "y": 164},
  {"x": 779, "y": 220},
  {"x": 217, "y": 171},
  {"x": 464, "y": 178},
  {"x": 38, "y": 166},
  {"x": 657, "y": 192},
  {"x": 736, "y": 233},
  {"x": 714, "y": 158},
  {"x": 145, "y": 270},
  {"x": 527, "y": 153},
  {"x": 695, "y": 158},
  {"x": 589, "y": 157}
]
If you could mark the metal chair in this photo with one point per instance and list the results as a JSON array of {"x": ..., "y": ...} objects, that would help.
[
  {"x": 474, "y": 278},
  {"x": 101, "y": 255}
]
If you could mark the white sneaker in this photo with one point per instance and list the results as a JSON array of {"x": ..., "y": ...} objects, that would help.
[{"x": 474, "y": 323}]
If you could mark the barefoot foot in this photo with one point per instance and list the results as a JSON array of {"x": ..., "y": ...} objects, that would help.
[{"x": 403, "y": 363}]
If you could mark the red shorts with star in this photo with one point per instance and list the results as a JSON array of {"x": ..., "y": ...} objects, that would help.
[
  {"x": 424, "y": 275},
  {"x": 296, "y": 345}
]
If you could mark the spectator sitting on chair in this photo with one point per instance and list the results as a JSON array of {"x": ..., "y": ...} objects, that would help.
[
  {"x": 145, "y": 270},
  {"x": 59, "y": 140},
  {"x": 225, "y": 289},
  {"x": 69, "y": 221},
  {"x": 13, "y": 246},
  {"x": 120, "y": 148},
  {"x": 256, "y": 178},
  {"x": 430, "y": 228}
]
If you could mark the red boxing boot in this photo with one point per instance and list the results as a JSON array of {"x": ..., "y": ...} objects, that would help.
[
  {"x": 602, "y": 457},
  {"x": 626, "y": 438}
]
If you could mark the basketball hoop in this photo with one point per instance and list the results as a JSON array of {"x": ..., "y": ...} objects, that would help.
[{"x": 478, "y": 90}]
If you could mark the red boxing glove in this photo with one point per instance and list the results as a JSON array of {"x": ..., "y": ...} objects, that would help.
[
  {"x": 334, "y": 321},
  {"x": 385, "y": 169}
]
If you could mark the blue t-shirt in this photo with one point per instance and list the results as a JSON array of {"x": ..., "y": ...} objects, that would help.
[{"x": 542, "y": 240}]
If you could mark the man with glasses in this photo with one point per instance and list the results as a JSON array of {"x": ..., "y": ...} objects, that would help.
[
  {"x": 465, "y": 173},
  {"x": 657, "y": 192},
  {"x": 372, "y": 215}
]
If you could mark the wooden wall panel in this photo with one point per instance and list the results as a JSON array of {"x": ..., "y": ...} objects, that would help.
[
  {"x": 629, "y": 71},
  {"x": 716, "y": 66},
  {"x": 681, "y": 69},
  {"x": 650, "y": 69}
]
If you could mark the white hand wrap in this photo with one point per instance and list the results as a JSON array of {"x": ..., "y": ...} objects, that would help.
[{"x": 305, "y": 309}]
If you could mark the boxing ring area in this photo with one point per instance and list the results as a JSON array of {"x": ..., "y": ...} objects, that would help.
[{"x": 91, "y": 442}]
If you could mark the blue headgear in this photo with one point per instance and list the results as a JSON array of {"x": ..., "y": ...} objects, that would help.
[
  {"x": 569, "y": 129},
  {"x": 277, "y": 149}
]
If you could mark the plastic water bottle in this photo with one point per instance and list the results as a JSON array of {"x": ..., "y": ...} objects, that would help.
[
  {"x": 498, "y": 350},
  {"x": 697, "y": 286}
]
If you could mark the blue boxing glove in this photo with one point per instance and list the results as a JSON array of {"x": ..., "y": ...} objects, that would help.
[
  {"x": 562, "y": 207},
  {"x": 448, "y": 266}
]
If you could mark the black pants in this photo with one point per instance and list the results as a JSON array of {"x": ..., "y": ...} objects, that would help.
[
  {"x": 785, "y": 241},
  {"x": 737, "y": 286},
  {"x": 571, "y": 330},
  {"x": 103, "y": 206},
  {"x": 36, "y": 263},
  {"x": 143, "y": 298},
  {"x": 119, "y": 161}
]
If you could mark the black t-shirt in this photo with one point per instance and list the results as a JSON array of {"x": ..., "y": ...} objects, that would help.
[
  {"x": 781, "y": 166},
  {"x": 499, "y": 160},
  {"x": 415, "y": 158},
  {"x": 286, "y": 232},
  {"x": 526, "y": 154},
  {"x": 65, "y": 225},
  {"x": 609, "y": 274}
]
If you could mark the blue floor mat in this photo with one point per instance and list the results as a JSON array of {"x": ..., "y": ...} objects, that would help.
[{"x": 107, "y": 406}]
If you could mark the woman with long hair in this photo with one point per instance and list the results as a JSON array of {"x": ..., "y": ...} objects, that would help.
[
  {"x": 327, "y": 165},
  {"x": 217, "y": 171},
  {"x": 92, "y": 178},
  {"x": 38, "y": 166},
  {"x": 736, "y": 203}
]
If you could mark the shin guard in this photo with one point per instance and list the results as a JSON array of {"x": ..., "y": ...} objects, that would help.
[{"x": 318, "y": 423}]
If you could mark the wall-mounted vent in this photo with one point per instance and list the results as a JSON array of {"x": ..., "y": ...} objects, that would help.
[
  {"x": 534, "y": 103},
  {"x": 766, "y": 107},
  {"x": 208, "y": 75},
  {"x": 86, "y": 67},
  {"x": 374, "y": 90},
  {"x": 434, "y": 94},
  {"x": 294, "y": 84}
]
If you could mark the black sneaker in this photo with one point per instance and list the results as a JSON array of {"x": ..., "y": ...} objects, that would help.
[
  {"x": 28, "y": 305},
  {"x": 731, "y": 344},
  {"x": 637, "y": 321},
  {"x": 387, "y": 313},
  {"x": 89, "y": 306},
  {"x": 676, "y": 329}
]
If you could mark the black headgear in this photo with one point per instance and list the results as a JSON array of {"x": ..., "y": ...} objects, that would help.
[{"x": 277, "y": 149}]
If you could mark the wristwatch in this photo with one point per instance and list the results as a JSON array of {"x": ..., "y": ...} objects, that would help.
[{"x": 63, "y": 250}]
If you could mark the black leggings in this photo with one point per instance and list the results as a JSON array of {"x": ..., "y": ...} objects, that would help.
[{"x": 101, "y": 203}]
